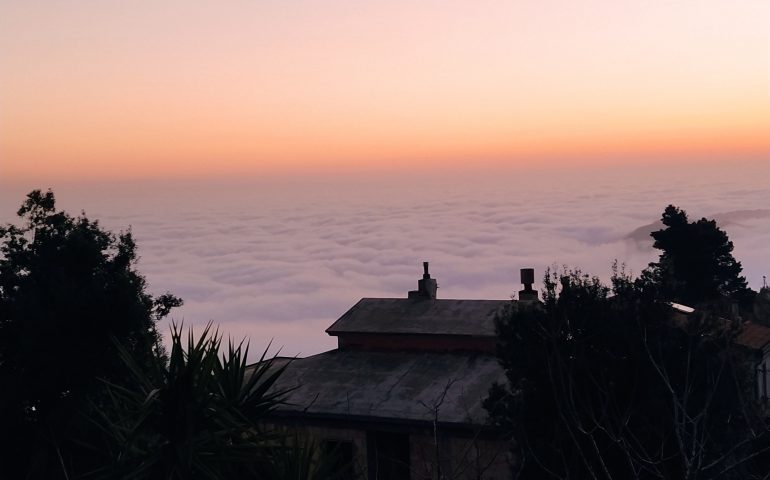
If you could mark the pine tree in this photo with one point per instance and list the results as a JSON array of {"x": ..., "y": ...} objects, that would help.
[{"x": 696, "y": 263}]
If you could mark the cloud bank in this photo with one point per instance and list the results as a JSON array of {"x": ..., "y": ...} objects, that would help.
[{"x": 283, "y": 261}]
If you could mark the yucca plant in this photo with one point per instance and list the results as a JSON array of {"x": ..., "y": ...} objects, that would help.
[{"x": 198, "y": 414}]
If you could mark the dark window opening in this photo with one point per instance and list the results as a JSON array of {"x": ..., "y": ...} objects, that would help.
[
  {"x": 388, "y": 456},
  {"x": 339, "y": 455}
]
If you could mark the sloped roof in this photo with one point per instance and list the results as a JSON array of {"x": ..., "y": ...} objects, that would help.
[
  {"x": 420, "y": 316},
  {"x": 753, "y": 335},
  {"x": 381, "y": 385}
]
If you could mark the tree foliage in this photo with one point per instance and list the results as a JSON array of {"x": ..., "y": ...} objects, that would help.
[
  {"x": 612, "y": 382},
  {"x": 66, "y": 287},
  {"x": 696, "y": 263},
  {"x": 88, "y": 391},
  {"x": 603, "y": 382}
]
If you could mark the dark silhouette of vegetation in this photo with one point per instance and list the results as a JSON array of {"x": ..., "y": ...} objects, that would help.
[
  {"x": 696, "y": 264},
  {"x": 611, "y": 382},
  {"x": 66, "y": 287},
  {"x": 201, "y": 414},
  {"x": 197, "y": 415},
  {"x": 89, "y": 392}
]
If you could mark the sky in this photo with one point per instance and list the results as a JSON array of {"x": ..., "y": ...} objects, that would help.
[
  {"x": 277, "y": 161},
  {"x": 188, "y": 89}
]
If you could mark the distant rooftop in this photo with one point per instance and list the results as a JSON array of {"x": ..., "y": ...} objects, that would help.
[
  {"x": 420, "y": 317},
  {"x": 754, "y": 335}
]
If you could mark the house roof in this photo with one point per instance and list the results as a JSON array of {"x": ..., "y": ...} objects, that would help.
[
  {"x": 420, "y": 316},
  {"x": 753, "y": 335},
  {"x": 381, "y": 385}
]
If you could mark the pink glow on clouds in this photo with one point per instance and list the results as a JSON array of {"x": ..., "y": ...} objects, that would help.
[{"x": 283, "y": 258}]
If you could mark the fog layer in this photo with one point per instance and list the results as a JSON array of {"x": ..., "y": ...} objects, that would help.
[{"x": 281, "y": 259}]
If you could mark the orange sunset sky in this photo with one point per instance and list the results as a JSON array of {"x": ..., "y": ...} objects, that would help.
[{"x": 107, "y": 89}]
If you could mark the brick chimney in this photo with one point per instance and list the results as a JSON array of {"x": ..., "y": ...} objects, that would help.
[
  {"x": 426, "y": 286},
  {"x": 527, "y": 279}
]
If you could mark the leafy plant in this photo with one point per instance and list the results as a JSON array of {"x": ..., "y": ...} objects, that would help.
[
  {"x": 198, "y": 415},
  {"x": 67, "y": 286}
]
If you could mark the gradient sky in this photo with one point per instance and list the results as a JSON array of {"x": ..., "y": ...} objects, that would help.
[{"x": 107, "y": 89}]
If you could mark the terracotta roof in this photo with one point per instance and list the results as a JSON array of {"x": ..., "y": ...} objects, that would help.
[{"x": 753, "y": 335}]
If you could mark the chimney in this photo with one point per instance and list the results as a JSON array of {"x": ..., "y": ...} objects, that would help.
[
  {"x": 527, "y": 279},
  {"x": 426, "y": 286}
]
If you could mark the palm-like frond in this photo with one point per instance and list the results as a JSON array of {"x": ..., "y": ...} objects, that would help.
[{"x": 196, "y": 415}]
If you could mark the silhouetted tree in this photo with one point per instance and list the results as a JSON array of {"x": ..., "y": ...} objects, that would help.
[
  {"x": 605, "y": 382},
  {"x": 696, "y": 264},
  {"x": 66, "y": 288}
]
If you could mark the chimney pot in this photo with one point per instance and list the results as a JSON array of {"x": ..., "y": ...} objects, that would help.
[
  {"x": 426, "y": 286},
  {"x": 527, "y": 279},
  {"x": 528, "y": 276}
]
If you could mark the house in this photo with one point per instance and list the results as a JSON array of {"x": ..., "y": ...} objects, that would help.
[{"x": 401, "y": 396}]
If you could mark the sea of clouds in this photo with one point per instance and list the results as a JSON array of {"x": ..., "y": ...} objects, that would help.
[{"x": 282, "y": 258}]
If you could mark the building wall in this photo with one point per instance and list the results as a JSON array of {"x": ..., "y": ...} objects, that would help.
[
  {"x": 461, "y": 457},
  {"x": 319, "y": 434},
  {"x": 440, "y": 343}
]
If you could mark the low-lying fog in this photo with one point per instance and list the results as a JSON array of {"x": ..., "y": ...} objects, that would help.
[{"x": 282, "y": 258}]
